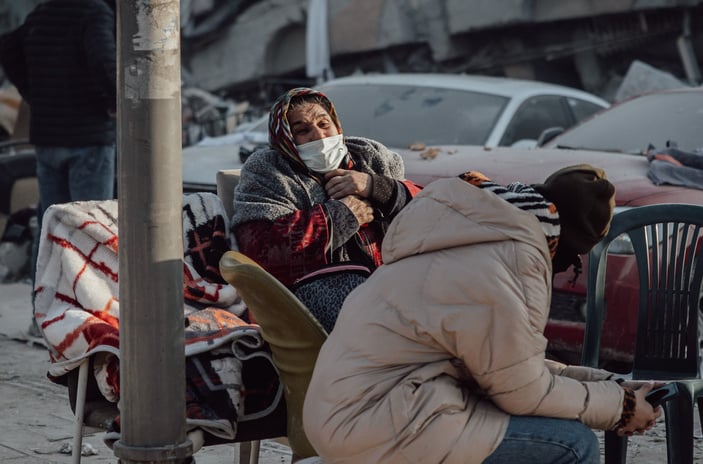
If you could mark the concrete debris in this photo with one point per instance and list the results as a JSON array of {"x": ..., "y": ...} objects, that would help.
[
  {"x": 207, "y": 115},
  {"x": 86, "y": 449},
  {"x": 430, "y": 153},
  {"x": 14, "y": 261},
  {"x": 641, "y": 78}
]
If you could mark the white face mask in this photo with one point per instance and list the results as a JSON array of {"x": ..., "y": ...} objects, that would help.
[{"x": 323, "y": 155}]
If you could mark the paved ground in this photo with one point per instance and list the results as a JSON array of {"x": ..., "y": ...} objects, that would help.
[{"x": 36, "y": 419}]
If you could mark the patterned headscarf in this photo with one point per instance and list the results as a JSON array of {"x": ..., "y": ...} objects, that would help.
[{"x": 280, "y": 135}]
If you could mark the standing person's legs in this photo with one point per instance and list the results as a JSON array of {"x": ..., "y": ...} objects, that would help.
[
  {"x": 546, "y": 440},
  {"x": 52, "y": 176},
  {"x": 92, "y": 173}
]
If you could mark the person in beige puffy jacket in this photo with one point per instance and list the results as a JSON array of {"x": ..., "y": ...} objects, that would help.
[{"x": 439, "y": 357}]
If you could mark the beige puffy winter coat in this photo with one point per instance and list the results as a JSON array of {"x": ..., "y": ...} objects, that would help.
[{"x": 432, "y": 354}]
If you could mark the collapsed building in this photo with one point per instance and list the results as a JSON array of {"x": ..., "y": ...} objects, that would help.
[
  {"x": 588, "y": 44},
  {"x": 251, "y": 50}
]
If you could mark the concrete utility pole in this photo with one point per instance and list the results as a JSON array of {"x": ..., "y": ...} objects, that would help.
[{"x": 152, "y": 363}]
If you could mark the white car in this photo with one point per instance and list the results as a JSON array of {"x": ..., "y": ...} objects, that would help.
[
  {"x": 454, "y": 109},
  {"x": 403, "y": 110}
]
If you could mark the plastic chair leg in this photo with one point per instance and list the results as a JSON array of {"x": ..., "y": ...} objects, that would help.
[
  {"x": 254, "y": 453},
  {"x": 80, "y": 411},
  {"x": 615, "y": 448},
  {"x": 247, "y": 452},
  {"x": 679, "y": 429}
]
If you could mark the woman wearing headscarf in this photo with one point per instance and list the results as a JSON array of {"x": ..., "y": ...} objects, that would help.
[
  {"x": 317, "y": 198},
  {"x": 440, "y": 356}
]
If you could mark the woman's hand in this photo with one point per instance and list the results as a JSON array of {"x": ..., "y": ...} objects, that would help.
[
  {"x": 361, "y": 209},
  {"x": 342, "y": 182},
  {"x": 644, "y": 416}
]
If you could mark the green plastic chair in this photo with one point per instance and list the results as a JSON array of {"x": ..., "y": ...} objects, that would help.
[
  {"x": 292, "y": 332},
  {"x": 666, "y": 240}
]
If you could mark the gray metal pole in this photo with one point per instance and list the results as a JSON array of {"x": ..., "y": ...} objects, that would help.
[
  {"x": 152, "y": 363},
  {"x": 684, "y": 44}
]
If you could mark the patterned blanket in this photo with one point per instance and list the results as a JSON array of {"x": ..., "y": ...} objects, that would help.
[{"x": 77, "y": 305}]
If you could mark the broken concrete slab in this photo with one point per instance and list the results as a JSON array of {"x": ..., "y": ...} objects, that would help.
[{"x": 641, "y": 78}]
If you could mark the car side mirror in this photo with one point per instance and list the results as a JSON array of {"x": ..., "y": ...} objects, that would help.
[
  {"x": 548, "y": 134},
  {"x": 524, "y": 143}
]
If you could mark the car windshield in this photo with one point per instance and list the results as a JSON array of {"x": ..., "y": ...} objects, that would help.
[
  {"x": 400, "y": 115},
  {"x": 632, "y": 126}
]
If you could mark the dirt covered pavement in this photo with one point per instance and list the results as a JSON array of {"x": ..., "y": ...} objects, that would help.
[
  {"x": 36, "y": 421},
  {"x": 36, "y": 424}
]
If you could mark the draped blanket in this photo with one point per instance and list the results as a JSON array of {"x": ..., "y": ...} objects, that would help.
[
  {"x": 77, "y": 305},
  {"x": 272, "y": 187},
  {"x": 673, "y": 166}
]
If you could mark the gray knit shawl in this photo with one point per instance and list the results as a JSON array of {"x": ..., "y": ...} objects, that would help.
[{"x": 270, "y": 186}]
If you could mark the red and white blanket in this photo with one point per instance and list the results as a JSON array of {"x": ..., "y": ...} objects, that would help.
[{"x": 77, "y": 298}]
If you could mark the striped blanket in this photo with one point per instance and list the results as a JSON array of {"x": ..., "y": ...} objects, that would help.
[{"x": 77, "y": 303}]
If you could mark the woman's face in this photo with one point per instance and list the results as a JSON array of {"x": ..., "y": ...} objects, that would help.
[{"x": 309, "y": 122}]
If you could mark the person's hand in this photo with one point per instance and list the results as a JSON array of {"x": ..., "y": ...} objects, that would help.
[
  {"x": 342, "y": 182},
  {"x": 644, "y": 416},
  {"x": 637, "y": 384},
  {"x": 667, "y": 158},
  {"x": 361, "y": 209}
]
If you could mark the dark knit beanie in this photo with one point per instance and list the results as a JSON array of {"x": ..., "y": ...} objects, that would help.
[{"x": 584, "y": 199}]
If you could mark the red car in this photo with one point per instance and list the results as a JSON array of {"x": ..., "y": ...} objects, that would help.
[{"x": 629, "y": 175}]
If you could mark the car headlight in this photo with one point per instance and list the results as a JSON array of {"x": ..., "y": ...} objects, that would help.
[{"x": 622, "y": 244}]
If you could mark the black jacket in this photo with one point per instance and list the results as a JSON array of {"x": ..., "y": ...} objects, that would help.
[{"x": 62, "y": 60}]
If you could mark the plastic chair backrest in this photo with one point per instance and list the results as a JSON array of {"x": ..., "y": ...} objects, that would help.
[
  {"x": 292, "y": 332},
  {"x": 666, "y": 240},
  {"x": 226, "y": 181}
]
